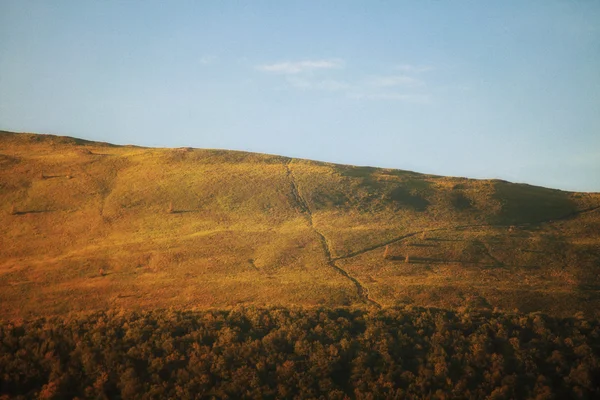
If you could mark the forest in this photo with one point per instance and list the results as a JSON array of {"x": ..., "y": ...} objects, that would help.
[{"x": 269, "y": 353}]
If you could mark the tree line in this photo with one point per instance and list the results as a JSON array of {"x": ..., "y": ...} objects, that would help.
[{"x": 274, "y": 353}]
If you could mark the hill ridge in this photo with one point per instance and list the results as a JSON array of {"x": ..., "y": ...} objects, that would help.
[
  {"x": 84, "y": 142},
  {"x": 87, "y": 225}
]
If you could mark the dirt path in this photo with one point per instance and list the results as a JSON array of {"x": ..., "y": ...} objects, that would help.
[
  {"x": 487, "y": 249},
  {"x": 305, "y": 210},
  {"x": 459, "y": 227},
  {"x": 364, "y": 291},
  {"x": 391, "y": 241},
  {"x": 104, "y": 180}
]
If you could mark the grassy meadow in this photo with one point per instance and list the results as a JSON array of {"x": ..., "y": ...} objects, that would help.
[{"x": 87, "y": 226}]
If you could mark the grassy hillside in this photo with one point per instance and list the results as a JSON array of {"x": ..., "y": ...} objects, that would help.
[{"x": 89, "y": 226}]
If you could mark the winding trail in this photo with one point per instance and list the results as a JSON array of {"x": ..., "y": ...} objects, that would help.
[
  {"x": 364, "y": 291},
  {"x": 382, "y": 244},
  {"x": 459, "y": 227},
  {"x": 305, "y": 210},
  {"x": 488, "y": 251}
]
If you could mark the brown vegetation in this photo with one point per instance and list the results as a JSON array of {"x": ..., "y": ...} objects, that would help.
[{"x": 297, "y": 353}]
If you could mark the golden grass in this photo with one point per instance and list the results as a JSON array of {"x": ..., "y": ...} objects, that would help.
[{"x": 190, "y": 228}]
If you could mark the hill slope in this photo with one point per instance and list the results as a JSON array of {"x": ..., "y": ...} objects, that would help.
[{"x": 89, "y": 226}]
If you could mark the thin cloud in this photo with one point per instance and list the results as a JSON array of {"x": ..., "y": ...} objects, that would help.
[
  {"x": 398, "y": 80},
  {"x": 402, "y": 97},
  {"x": 289, "y": 67},
  {"x": 330, "y": 85},
  {"x": 297, "y": 76},
  {"x": 410, "y": 68}
]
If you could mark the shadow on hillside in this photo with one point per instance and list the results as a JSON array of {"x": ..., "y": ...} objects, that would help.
[
  {"x": 523, "y": 204},
  {"x": 6, "y": 160},
  {"x": 31, "y": 212},
  {"x": 441, "y": 261},
  {"x": 418, "y": 260},
  {"x": 55, "y": 176},
  {"x": 439, "y": 239},
  {"x": 588, "y": 286},
  {"x": 410, "y": 192},
  {"x": 332, "y": 198},
  {"x": 184, "y": 211},
  {"x": 87, "y": 152},
  {"x": 594, "y": 287},
  {"x": 404, "y": 197},
  {"x": 125, "y": 296},
  {"x": 460, "y": 202}
]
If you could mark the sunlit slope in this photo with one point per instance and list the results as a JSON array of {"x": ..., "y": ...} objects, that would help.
[
  {"x": 359, "y": 207},
  {"x": 87, "y": 225}
]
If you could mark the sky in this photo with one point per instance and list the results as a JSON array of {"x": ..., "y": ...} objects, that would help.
[{"x": 480, "y": 89}]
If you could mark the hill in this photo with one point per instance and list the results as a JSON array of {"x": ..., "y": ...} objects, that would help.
[{"x": 87, "y": 226}]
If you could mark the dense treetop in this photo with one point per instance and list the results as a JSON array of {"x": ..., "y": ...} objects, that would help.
[{"x": 299, "y": 353}]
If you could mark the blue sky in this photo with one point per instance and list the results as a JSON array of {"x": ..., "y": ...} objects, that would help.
[{"x": 480, "y": 89}]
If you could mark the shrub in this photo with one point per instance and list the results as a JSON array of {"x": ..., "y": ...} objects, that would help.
[{"x": 386, "y": 252}]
